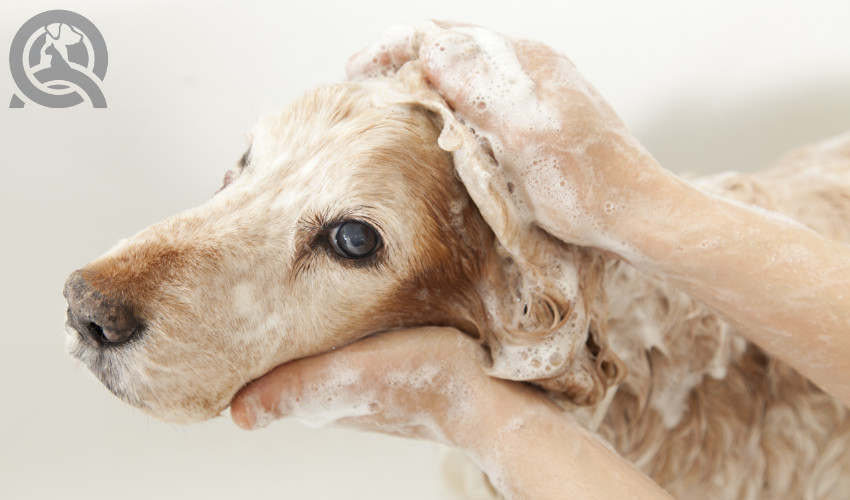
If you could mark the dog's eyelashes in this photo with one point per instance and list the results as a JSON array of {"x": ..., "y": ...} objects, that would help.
[{"x": 354, "y": 239}]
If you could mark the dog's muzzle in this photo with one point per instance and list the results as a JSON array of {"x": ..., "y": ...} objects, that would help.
[{"x": 99, "y": 319}]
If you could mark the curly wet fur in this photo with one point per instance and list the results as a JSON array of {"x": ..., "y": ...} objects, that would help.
[
  {"x": 243, "y": 283},
  {"x": 702, "y": 411},
  {"x": 707, "y": 414}
]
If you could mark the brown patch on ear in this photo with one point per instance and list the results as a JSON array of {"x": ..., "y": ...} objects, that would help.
[
  {"x": 437, "y": 278},
  {"x": 540, "y": 298},
  {"x": 610, "y": 368},
  {"x": 547, "y": 321}
]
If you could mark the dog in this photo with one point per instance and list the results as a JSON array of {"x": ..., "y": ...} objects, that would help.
[{"x": 346, "y": 217}]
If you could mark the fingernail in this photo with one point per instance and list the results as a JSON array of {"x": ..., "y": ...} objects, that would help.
[
  {"x": 249, "y": 414},
  {"x": 262, "y": 418}
]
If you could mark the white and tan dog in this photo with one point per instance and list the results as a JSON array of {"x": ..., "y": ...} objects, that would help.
[{"x": 345, "y": 218}]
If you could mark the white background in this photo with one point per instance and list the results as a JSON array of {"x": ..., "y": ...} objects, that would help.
[{"x": 727, "y": 84}]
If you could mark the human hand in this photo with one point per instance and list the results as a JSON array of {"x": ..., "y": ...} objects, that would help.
[
  {"x": 424, "y": 383},
  {"x": 428, "y": 383},
  {"x": 578, "y": 169}
]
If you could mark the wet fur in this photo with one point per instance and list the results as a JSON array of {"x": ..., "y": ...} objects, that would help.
[{"x": 245, "y": 282}]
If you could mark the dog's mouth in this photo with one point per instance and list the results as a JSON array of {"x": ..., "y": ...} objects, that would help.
[{"x": 103, "y": 362}]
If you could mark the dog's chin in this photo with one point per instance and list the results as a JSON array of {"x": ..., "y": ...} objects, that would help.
[{"x": 106, "y": 364}]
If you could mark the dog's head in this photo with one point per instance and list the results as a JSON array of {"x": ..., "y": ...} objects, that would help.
[{"x": 343, "y": 218}]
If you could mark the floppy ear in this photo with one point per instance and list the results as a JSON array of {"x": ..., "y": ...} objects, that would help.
[
  {"x": 546, "y": 316},
  {"x": 545, "y": 307}
]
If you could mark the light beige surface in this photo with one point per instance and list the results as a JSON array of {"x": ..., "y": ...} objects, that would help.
[{"x": 726, "y": 85}]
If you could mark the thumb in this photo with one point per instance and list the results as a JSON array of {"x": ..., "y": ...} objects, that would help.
[
  {"x": 384, "y": 57},
  {"x": 398, "y": 45},
  {"x": 257, "y": 404},
  {"x": 477, "y": 72},
  {"x": 318, "y": 391}
]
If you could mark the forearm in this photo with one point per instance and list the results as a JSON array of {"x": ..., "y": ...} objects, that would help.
[
  {"x": 782, "y": 284},
  {"x": 428, "y": 383},
  {"x": 532, "y": 450}
]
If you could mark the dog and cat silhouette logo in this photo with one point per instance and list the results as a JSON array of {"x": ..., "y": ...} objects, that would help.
[{"x": 58, "y": 59}]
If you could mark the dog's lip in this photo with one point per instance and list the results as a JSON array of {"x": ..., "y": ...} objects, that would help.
[
  {"x": 72, "y": 334},
  {"x": 97, "y": 360},
  {"x": 70, "y": 331}
]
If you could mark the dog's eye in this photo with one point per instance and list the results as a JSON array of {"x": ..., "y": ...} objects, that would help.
[{"x": 354, "y": 239}]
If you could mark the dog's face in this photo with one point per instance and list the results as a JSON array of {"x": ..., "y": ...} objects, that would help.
[
  {"x": 344, "y": 218},
  {"x": 334, "y": 225}
]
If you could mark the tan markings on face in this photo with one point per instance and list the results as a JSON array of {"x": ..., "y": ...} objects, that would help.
[{"x": 247, "y": 281}]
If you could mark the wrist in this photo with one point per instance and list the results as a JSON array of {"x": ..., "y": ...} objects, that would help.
[
  {"x": 500, "y": 424},
  {"x": 635, "y": 200},
  {"x": 475, "y": 417},
  {"x": 531, "y": 449}
]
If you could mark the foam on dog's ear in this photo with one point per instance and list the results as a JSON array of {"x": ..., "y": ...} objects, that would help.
[
  {"x": 547, "y": 323},
  {"x": 541, "y": 295}
]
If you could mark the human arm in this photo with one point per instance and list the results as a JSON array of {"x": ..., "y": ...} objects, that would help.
[
  {"x": 590, "y": 182},
  {"x": 427, "y": 383}
]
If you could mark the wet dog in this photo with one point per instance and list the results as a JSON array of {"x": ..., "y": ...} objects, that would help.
[{"x": 346, "y": 217}]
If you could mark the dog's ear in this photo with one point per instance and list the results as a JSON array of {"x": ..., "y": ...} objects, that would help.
[
  {"x": 545, "y": 312},
  {"x": 546, "y": 315}
]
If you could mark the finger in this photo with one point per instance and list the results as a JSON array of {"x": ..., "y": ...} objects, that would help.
[
  {"x": 318, "y": 391},
  {"x": 478, "y": 73},
  {"x": 398, "y": 44},
  {"x": 387, "y": 55},
  {"x": 350, "y": 383},
  {"x": 454, "y": 63},
  {"x": 258, "y": 403}
]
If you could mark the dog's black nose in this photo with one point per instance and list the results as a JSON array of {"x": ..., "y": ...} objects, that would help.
[{"x": 100, "y": 319}]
